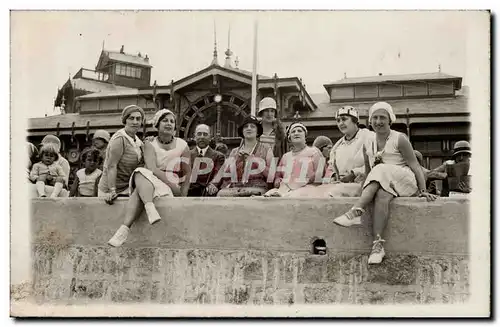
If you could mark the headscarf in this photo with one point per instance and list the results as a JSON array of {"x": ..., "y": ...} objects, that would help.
[
  {"x": 292, "y": 126},
  {"x": 385, "y": 106},
  {"x": 128, "y": 110},
  {"x": 347, "y": 110},
  {"x": 159, "y": 115}
]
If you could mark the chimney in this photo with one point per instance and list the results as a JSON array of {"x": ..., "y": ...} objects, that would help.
[
  {"x": 146, "y": 58},
  {"x": 122, "y": 50},
  {"x": 139, "y": 55},
  {"x": 379, "y": 74}
]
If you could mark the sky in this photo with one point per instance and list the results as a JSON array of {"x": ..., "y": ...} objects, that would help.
[{"x": 319, "y": 47}]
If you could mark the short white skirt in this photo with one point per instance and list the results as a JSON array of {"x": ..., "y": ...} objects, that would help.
[
  {"x": 160, "y": 189},
  {"x": 394, "y": 179}
]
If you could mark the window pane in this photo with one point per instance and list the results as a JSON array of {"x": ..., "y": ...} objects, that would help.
[
  {"x": 138, "y": 73},
  {"x": 129, "y": 71},
  {"x": 117, "y": 69}
]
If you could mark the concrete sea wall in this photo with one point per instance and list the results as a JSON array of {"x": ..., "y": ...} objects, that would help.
[{"x": 247, "y": 251}]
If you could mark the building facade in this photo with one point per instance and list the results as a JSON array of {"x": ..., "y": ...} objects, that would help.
[{"x": 430, "y": 108}]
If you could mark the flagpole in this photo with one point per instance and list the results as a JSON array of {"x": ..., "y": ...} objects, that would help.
[{"x": 254, "y": 72}]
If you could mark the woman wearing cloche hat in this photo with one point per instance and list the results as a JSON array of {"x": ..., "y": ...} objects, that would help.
[
  {"x": 273, "y": 132},
  {"x": 123, "y": 156},
  {"x": 252, "y": 150},
  {"x": 166, "y": 159}
]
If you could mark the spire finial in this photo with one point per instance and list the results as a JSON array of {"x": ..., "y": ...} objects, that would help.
[
  {"x": 228, "y": 52},
  {"x": 345, "y": 75},
  {"x": 102, "y": 45},
  {"x": 214, "y": 60},
  {"x": 439, "y": 68},
  {"x": 237, "y": 61}
]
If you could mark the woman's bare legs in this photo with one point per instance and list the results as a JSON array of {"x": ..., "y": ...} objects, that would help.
[
  {"x": 380, "y": 216},
  {"x": 381, "y": 211},
  {"x": 133, "y": 209},
  {"x": 367, "y": 195},
  {"x": 146, "y": 192},
  {"x": 353, "y": 216},
  {"x": 144, "y": 188}
]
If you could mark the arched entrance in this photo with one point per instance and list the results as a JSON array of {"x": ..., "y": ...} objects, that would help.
[{"x": 233, "y": 111}]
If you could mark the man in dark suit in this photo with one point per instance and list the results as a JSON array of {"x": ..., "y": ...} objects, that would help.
[{"x": 202, "y": 153}]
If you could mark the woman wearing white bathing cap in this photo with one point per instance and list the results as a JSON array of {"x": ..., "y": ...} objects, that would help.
[{"x": 394, "y": 172}]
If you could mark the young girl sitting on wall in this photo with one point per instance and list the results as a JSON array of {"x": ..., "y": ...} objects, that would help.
[
  {"x": 48, "y": 171},
  {"x": 87, "y": 179}
]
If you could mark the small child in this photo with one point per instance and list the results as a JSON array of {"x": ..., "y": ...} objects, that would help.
[
  {"x": 48, "y": 171},
  {"x": 86, "y": 179},
  {"x": 100, "y": 142}
]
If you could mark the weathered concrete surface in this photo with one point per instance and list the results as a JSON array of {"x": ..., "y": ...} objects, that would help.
[
  {"x": 247, "y": 251},
  {"x": 415, "y": 226},
  {"x": 85, "y": 274}
]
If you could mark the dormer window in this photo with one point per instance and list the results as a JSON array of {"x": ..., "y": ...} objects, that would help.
[{"x": 128, "y": 70}]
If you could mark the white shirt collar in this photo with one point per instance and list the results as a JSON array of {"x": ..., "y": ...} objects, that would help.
[{"x": 203, "y": 151}]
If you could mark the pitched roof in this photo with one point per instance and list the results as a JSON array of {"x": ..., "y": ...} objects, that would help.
[
  {"x": 319, "y": 98},
  {"x": 114, "y": 93},
  {"x": 94, "y": 86},
  {"x": 66, "y": 121},
  {"x": 246, "y": 72},
  {"x": 393, "y": 78},
  {"x": 417, "y": 106},
  {"x": 124, "y": 57}
]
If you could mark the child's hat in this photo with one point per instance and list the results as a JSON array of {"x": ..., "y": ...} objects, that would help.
[{"x": 102, "y": 134}]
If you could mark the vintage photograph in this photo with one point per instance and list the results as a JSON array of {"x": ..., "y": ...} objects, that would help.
[{"x": 250, "y": 163}]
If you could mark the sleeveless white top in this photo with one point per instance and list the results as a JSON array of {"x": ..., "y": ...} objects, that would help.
[
  {"x": 86, "y": 183},
  {"x": 390, "y": 153},
  {"x": 169, "y": 159}
]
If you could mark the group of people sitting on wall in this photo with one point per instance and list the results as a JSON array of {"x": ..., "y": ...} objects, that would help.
[{"x": 375, "y": 166}]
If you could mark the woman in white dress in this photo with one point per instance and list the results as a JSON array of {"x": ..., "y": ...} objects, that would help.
[
  {"x": 394, "y": 172},
  {"x": 166, "y": 159},
  {"x": 345, "y": 171}
]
